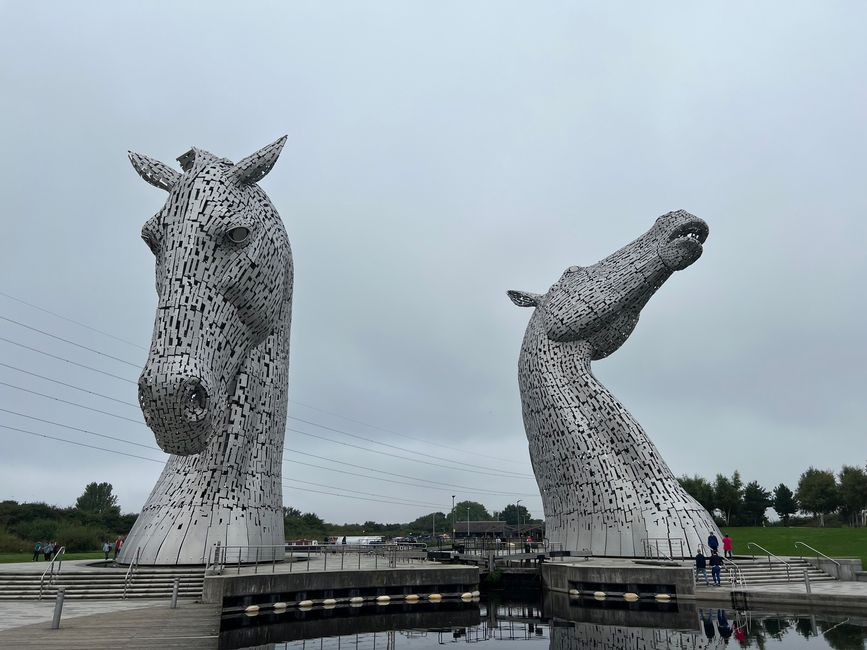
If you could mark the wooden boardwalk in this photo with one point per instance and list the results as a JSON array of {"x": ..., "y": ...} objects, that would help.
[{"x": 191, "y": 627}]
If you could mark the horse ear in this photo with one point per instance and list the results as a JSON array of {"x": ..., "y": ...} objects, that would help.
[
  {"x": 254, "y": 168},
  {"x": 524, "y": 298},
  {"x": 153, "y": 171}
]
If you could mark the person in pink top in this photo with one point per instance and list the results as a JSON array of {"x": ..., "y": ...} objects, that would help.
[{"x": 727, "y": 545}]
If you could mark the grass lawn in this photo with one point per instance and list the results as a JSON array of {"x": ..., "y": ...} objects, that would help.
[
  {"x": 836, "y": 542},
  {"x": 27, "y": 557}
]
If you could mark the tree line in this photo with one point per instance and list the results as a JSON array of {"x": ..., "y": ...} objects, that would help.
[
  {"x": 94, "y": 518},
  {"x": 835, "y": 499}
]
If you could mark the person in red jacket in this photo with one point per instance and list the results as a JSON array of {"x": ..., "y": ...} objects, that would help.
[{"x": 727, "y": 545}]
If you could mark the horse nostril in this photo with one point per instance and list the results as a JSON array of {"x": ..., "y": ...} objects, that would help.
[{"x": 195, "y": 399}]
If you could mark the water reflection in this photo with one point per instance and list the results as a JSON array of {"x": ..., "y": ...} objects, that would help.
[{"x": 552, "y": 622}]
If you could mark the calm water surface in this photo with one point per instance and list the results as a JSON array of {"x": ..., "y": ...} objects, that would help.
[{"x": 534, "y": 622}]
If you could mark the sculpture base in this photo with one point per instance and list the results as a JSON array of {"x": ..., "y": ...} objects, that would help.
[{"x": 632, "y": 533}]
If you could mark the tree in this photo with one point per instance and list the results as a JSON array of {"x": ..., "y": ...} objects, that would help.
[
  {"x": 514, "y": 515},
  {"x": 97, "y": 499},
  {"x": 699, "y": 489},
  {"x": 784, "y": 503},
  {"x": 429, "y": 523},
  {"x": 478, "y": 512},
  {"x": 755, "y": 501},
  {"x": 853, "y": 493},
  {"x": 728, "y": 494},
  {"x": 818, "y": 493}
]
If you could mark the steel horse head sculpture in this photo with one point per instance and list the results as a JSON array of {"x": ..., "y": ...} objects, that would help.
[
  {"x": 214, "y": 387},
  {"x": 604, "y": 486}
]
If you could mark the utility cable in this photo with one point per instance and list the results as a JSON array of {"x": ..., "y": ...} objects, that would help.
[
  {"x": 87, "y": 431},
  {"x": 385, "y": 444},
  {"x": 76, "y": 404},
  {"x": 74, "y": 363},
  {"x": 78, "y": 345},
  {"x": 369, "y": 494},
  {"x": 80, "y": 444},
  {"x": 63, "y": 383},
  {"x": 69, "y": 320}
]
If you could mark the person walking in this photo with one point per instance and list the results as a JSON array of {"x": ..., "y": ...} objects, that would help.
[
  {"x": 118, "y": 544},
  {"x": 106, "y": 548},
  {"x": 701, "y": 566},
  {"x": 715, "y": 565},
  {"x": 48, "y": 550},
  {"x": 712, "y": 543},
  {"x": 727, "y": 545},
  {"x": 37, "y": 551}
]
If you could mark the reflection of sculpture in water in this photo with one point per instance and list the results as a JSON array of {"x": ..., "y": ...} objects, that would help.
[
  {"x": 214, "y": 387},
  {"x": 594, "y": 636},
  {"x": 604, "y": 486}
]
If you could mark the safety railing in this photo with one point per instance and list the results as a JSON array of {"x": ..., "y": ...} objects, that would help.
[
  {"x": 130, "y": 572},
  {"x": 770, "y": 555},
  {"x": 736, "y": 576},
  {"x": 663, "y": 547},
  {"x": 333, "y": 556},
  {"x": 49, "y": 572},
  {"x": 817, "y": 552}
]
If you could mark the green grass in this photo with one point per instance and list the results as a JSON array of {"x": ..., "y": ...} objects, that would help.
[
  {"x": 27, "y": 557},
  {"x": 836, "y": 542}
]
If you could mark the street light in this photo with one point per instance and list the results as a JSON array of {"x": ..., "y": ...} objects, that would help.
[
  {"x": 453, "y": 520},
  {"x": 468, "y": 522},
  {"x": 520, "y": 518}
]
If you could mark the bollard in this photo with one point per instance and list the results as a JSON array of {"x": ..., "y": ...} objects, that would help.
[
  {"x": 58, "y": 609},
  {"x": 175, "y": 593},
  {"x": 807, "y": 582}
]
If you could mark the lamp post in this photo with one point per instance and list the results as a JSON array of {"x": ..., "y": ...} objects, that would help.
[
  {"x": 520, "y": 518},
  {"x": 468, "y": 522},
  {"x": 453, "y": 520}
]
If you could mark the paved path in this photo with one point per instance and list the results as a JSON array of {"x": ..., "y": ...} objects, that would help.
[{"x": 192, "y": 626}]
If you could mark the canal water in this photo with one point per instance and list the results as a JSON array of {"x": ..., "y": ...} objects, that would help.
[{"x": 533, "y": 621}]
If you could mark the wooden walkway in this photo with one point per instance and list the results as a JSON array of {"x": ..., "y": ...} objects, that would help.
[{"x": 191, "y": 627}]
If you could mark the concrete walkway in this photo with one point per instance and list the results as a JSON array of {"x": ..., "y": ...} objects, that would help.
[
  {"x": 17, "y": 613},
  {"x": 824, "y": 595}
]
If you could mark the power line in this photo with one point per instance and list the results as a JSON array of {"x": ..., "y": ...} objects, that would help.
[
  {"x": 401, "y": 435},
  {"x": 385, "y": 444},
  {"x": 460, "y": 487},
  {"x": 81, "y": 406},
  {"x": 370, "y": 494},
  {"x": 78, "y": 345},
  {"x": 87, "y": 431},
  {"x": 385, "y": 453},
  {"x": 80, "y": 444},
  {"x": 346, "y": 496},
  {"x": 69, "y": 320},
  {"x": 74, "y": 363},
  {"x": 63, "y": 383},
  {"x": 310, "y": 406},
  {"x": 428, "y": 484}
]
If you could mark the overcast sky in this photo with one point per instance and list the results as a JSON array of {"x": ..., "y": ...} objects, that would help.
[{"x": 438, "y": 155}]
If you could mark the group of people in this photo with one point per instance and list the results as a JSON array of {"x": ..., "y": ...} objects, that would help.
[
  {"x": 715, "y": 561},
  {"x": 48, "y": 549},
  {"x": 107, "y": 546}
]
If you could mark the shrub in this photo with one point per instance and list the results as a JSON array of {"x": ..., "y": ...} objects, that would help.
[
  {"x": 10, "y": 543},
  {"x": 79, "y": 538}
]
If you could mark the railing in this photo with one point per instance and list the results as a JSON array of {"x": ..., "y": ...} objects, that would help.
[
  {"x": 130, "y": 572},
  {"x": 817, "y": 552},
  {"x": 770, "y": 555},
  {"x": 736, "y": 577},
  {"x": 49, "y": 571},
  {"x": 651, "y": 545}
]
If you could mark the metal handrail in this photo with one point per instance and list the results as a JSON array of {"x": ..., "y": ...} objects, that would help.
[
  {"x": 738, "y": 577},
  {"x": 817, "y": 552},
  {"x": 130, "y": 572},
  {"x": 770, "y": 555},
  {"x": 58, "y": 556}
]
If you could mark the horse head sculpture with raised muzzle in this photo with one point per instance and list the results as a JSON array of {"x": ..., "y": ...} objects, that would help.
[
  {"x": 604, "y": 486},
  {"x": 213, "y": 389}
]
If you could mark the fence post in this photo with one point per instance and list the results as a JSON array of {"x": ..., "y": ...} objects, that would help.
[
  {"x": 342, "y": 556},
  {"x": 58, "y": 608},
  {"x": 175, "y": 593},
  {"x": 807, "y": 582}
]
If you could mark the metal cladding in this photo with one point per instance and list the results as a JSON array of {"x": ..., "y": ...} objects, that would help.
[
  {"x": 604, "y": 486},
  {"x": 214, "y": 387}
]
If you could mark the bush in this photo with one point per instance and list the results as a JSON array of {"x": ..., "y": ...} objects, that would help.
[
  {"x": 10, "y": 543},
  {"x": 37, "y": 530},
  {"x": 79, "y": 538}
]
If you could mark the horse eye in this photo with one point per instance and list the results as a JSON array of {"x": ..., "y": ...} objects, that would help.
[{"x": 238, "y": 235}]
